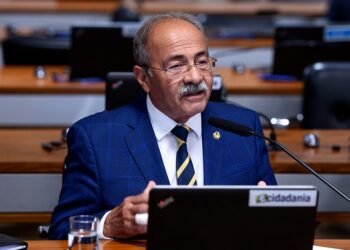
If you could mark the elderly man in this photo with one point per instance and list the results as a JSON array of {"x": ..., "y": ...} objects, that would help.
[{"x": 116, "y": 157}]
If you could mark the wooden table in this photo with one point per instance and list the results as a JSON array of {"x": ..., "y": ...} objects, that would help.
[
  {"x": 59, "y": 6},
  {"x": 323, "y": 159},
  {"x": 141, "y": 245},
  {"x": 152, "y": 7},
  {"x": 21, "y": 80},
  {"x": 235, "y": 7},
  {"x": 20, "y": 151},
  {"x": 249, "y": 83}
]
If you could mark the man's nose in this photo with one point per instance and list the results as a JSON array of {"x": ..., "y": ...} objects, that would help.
[{"x": 193, "y": 75}]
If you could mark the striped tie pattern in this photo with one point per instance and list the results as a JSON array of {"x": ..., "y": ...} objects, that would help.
[{"x": 184, "y": 168}]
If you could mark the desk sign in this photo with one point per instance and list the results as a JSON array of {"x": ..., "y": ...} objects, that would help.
[
  {"x": 337, "y": 33},
  {"x": 282, "y": 198}
]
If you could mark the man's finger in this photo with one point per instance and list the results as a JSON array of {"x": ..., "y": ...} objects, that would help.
[
  {"x": 149, "y": 187},
  {"x": 139, "y": 208},
  {"x": 143, "y": 197}
]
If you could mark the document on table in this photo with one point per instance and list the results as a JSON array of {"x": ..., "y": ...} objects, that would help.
[{"x": 324, "y": 248}]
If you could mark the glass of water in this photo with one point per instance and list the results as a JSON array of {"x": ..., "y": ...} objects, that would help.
[{"x": 83, "y": 232}]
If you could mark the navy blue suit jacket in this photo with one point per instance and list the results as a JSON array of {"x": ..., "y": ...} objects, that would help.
[{"x": 114, "y": 154}]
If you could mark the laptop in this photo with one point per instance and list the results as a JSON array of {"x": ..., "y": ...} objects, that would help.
[
  {"x": 232, "y": 217},
  {"x": 100, "y": 47}
]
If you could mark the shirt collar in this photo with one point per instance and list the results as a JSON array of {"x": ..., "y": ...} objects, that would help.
[{"x": 162, "y": 124}]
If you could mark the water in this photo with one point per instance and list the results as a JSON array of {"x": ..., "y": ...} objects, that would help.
[{"x": 82, "y": 240}]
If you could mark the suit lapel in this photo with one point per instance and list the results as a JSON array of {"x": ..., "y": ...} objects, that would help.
[
  {"x": 213, "y": 150},
  {"x": 144, "y": 149}
]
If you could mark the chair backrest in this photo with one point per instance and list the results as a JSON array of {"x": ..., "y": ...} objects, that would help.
[
  {"x": 121, "y": 88},
  {"x": 326, "y": 98}
]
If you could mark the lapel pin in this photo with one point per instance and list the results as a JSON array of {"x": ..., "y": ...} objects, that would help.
[{"x": 216, "y": 135}]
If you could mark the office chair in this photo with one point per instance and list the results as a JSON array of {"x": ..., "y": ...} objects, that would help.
[
  {"x": 121, "y": 88},
  {"x": 326, "y": 98},
  {"x": 36, "y": 50}
]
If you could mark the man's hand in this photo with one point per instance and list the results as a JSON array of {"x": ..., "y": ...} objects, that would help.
[{"x": 120, "y": 222}]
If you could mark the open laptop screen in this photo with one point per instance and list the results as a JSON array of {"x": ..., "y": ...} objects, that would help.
[{"x": 241, "y": 217}]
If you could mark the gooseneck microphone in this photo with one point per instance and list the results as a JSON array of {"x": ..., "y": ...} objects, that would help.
[
  {"x": 242, "y": 130},
  {"x": 272, "y": 136}
]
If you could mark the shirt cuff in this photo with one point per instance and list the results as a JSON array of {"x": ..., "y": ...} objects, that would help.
[{"x": 101, "y": 226}]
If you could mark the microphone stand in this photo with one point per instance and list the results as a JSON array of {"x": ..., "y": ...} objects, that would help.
[
  {"x": 273, "y": 135},
  {"x": 303, "y": 164},
  {"x": 242, "y": 130}
]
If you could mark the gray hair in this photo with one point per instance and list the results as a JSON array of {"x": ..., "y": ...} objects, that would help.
[{"x": 140, "y": 40}]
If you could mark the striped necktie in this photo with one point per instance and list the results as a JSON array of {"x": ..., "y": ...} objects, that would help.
[{"x": 184, "y": 168}]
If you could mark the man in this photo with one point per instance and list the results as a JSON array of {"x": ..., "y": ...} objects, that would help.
[{"x": 116, "y": 157}]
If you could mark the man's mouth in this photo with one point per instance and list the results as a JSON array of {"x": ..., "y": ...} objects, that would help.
[
  {"x": 193, "y": 93},
  {"x": 193, "y": 90}
]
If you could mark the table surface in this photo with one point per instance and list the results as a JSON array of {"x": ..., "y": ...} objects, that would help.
[
  {"x": 234, "y": 7},
  {"x": 21, "y": 152},
  {"x": 150, "y": 7},
  {"x": 138, "y": 245},
  {"x": 58, "y": 6},
  {"x": 21, "y": 80}
]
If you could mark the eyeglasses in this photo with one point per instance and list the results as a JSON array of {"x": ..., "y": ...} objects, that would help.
[{"x": 205, "y": 65}]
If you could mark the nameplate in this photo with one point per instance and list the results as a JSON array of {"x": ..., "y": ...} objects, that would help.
[{"x": 282, "y": 198}]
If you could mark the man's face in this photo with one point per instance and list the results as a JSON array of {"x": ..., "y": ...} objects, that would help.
[{"x": 172, "y": 43}]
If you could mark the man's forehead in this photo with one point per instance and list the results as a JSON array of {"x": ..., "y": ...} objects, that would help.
[
  {"x": 169, "y": 25},
  {"x": 175, "y": 31},
  {"x": 179, "y": 56}
]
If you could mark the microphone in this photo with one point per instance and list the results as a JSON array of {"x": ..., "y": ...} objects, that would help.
[
  {"x": 272, "y": 136},
  {"x": 246, "y": 131}
]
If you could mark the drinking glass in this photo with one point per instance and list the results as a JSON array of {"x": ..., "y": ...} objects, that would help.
[{"x": 83, "y": 232}]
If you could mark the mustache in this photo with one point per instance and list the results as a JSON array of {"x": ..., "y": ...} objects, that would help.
[{"x": 192, "y": 88}]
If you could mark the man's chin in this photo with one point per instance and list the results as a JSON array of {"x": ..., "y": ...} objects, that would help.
[
  {"x": 196, "y": 107},
  {"x": 189, "y": 110},
  {"x": 194, "y": 104}
]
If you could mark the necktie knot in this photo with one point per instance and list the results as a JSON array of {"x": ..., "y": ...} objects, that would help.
[{"x": 181, "y": 132}]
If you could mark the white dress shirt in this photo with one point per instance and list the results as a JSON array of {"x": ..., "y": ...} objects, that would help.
[{"x": 162, "y": 126}]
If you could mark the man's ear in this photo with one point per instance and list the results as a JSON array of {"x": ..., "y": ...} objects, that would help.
[{"x": 141, "y": 77}]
